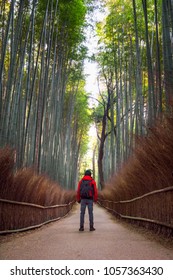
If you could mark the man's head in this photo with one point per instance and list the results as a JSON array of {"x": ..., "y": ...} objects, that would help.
[{"x": 88, "y": 172}]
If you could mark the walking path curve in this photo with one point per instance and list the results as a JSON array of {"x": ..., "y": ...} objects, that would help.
[{"x": 62, "y": 240}]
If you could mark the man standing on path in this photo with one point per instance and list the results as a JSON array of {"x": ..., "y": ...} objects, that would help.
[{"x": 86, "y": 194}]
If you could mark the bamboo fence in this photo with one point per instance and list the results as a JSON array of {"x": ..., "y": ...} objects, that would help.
[
  {"x": 152, "y": 210},
  {"x": 21, "y": 216}
]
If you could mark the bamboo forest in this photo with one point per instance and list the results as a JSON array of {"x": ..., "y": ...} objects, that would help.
[{"x": 49, "y": 120}]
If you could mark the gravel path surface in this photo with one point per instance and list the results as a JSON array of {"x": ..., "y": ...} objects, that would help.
[{"x": 62, "y": 240}]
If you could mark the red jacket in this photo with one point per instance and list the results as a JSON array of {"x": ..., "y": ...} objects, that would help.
[{"x": 86, "y": 177}]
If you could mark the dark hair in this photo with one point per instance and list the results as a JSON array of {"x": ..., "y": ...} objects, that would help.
[{"x": 88, "y": 172}]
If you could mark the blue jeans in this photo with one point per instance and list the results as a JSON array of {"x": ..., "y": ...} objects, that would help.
[{"x": 89, "y": 204}]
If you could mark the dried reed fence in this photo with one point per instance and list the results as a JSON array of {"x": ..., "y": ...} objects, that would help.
[
  {"x": 28, "y": 199},
  {"x": 140, "y": 192}
]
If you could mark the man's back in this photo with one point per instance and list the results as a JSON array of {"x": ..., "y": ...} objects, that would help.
[{"x": 92, "y": 182}]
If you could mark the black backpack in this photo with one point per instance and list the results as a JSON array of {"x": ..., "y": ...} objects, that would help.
[{"x": 86, "y": 189}]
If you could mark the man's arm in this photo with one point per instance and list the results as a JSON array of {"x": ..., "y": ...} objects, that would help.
[
  {"x": 95, "y": 191},
  {"x": 78, "y": 198}
]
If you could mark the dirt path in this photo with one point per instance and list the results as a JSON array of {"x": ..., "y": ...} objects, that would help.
[{"x": 62, "y": 240}]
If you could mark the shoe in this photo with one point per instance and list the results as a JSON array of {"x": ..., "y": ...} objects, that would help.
[
  {"x": 92, "y": 229},
  {"x": 81, "y": 229}
]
